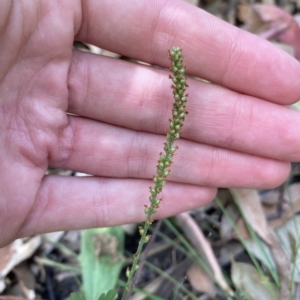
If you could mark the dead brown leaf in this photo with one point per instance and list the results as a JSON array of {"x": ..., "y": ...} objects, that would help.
[
  {"x": 249, "y": 203},
  {"x": 26, "y": 281},
  {"x": 201, "y": 281},
  {"x": 21, "y": 249},
  {"x": 231, "y": 217},
  {"x": 229, "y": 251},
  {"x": 271, "y": 22},
  {"x": 252, "y": 21},
  {"x": 282, "y": 26},
  {"x": 290, "y": 206},
  {"x": 5, "y": 256}
]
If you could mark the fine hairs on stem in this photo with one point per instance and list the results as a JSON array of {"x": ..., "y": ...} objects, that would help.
[{"x": 166, "y": 158}]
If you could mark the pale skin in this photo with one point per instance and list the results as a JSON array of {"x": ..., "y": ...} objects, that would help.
[{"x": 238, "y": 132}]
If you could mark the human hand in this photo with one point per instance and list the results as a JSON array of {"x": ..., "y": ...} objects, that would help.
[{"x": 237, "y": 134}]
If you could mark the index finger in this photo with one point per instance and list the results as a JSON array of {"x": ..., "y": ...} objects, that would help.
[{"x": 213, "y": 49}]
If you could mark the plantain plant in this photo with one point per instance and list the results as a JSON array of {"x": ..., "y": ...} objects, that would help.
[{"x": 166, "y": 158}]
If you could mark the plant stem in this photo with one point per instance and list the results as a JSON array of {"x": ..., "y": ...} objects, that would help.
[{"x": 165, "y": 159}]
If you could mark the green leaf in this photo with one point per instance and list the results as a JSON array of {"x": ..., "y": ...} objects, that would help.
[
  {"x": 77, "y": 296},
  {"x": 110, "y": 295},
  {"x": 101, "y": 260}
]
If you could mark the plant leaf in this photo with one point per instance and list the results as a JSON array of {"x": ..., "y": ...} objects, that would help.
[
  {"x": 77, "y": 296},
  {"x": 110, "y": 295},
  {"x": 250, "y": 206},
  {"x": 201, "y": 281},
  {"x": 226, "y": 228},
  {"x": 101, "y": 260}
]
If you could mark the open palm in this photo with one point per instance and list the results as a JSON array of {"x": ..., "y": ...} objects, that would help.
[{"x": 64, "y": 108}]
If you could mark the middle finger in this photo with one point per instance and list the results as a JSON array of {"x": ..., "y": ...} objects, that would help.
[
  {"x": 139, "y": 97},
  {"x": 110, "y": 151}
]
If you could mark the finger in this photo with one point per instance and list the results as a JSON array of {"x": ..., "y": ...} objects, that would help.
[
  {"x": 140, "y": 98},
  {"x": 19, "y": 185},
  {"x": 106, "y": 150},
  {"x": 213, "y": 49},
  {"x": 67, "y": 203}
]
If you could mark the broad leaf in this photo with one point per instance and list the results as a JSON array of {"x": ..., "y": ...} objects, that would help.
[
  {"x": 110, "y": 295},
  {"x": 101, "y": 260},
  {"x": 77, "y": 296}
]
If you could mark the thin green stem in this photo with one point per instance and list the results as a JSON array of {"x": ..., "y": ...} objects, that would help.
[{"x": 165, "y": 159}]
